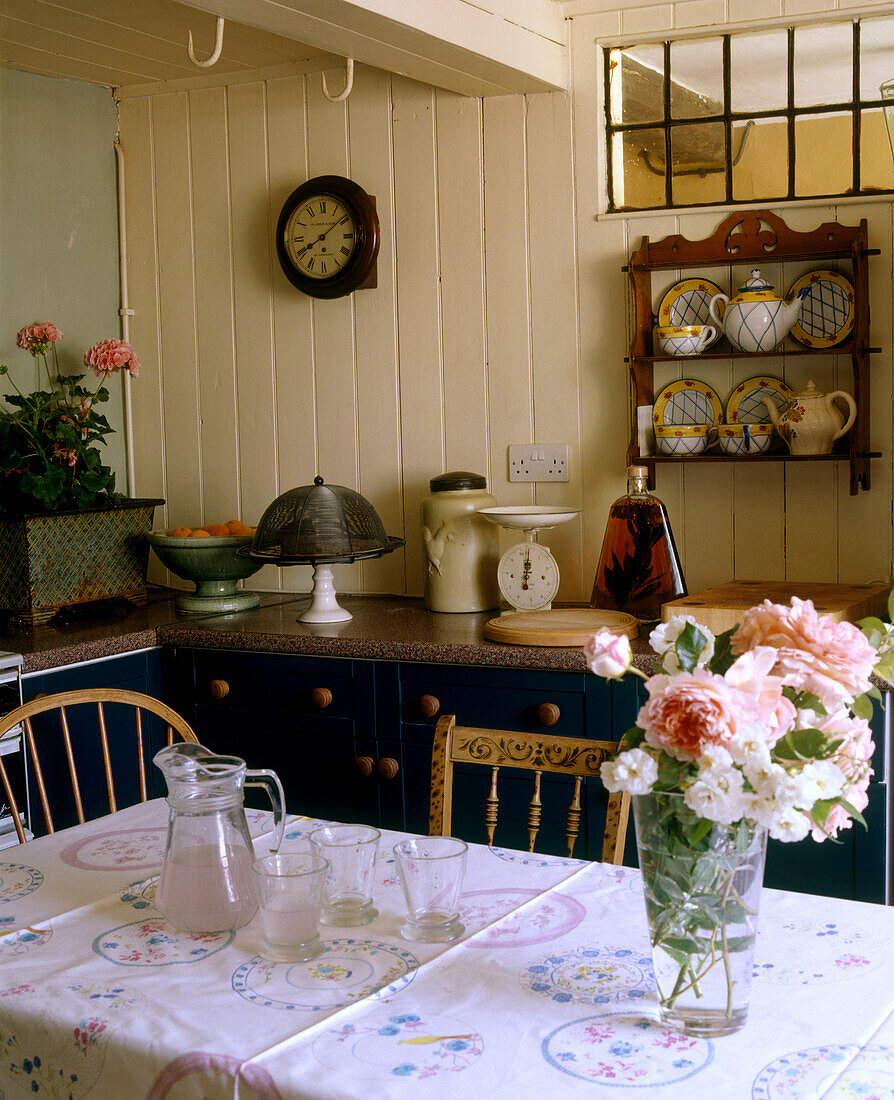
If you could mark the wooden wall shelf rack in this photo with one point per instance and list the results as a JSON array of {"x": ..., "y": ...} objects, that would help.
[{"x": 754, "y": 238}]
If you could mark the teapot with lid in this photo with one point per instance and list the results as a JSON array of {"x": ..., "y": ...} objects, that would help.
[
  {"x": 206, "y": 878},
  {"x": 810, "y": 422},
  {"x": 757, "y": 319}
]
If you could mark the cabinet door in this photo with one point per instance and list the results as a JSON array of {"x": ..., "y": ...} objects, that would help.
[
  {"x": 508, "y": 699},
  {"x": 134, "y": 672}
]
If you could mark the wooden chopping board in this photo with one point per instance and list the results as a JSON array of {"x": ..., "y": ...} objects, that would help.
[
  {"x": 722, "y": 607},
  {"x": 570, "y": 626}
]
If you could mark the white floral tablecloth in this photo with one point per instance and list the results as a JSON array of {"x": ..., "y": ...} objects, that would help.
[{"x": 549, "y": 994}]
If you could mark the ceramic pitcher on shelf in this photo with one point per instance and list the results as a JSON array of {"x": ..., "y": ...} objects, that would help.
[
  {"x": 810, "y": 422},
  {"x": 206, "y": 877},
  {"x": 757, "y": 319}
]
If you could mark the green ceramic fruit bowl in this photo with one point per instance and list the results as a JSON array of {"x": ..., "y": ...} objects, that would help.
[{"x": 213, "y": 565}]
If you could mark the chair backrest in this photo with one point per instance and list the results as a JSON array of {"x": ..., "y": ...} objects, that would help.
[
  {"x": 62, "y": 703},
  {"x": 534, "y": 752}
]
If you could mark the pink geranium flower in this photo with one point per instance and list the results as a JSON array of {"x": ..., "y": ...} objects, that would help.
[
  {"x": 831, "y": 660},
  {"x": 37, "y": 338},
  {"x": 109, "y": 356}
]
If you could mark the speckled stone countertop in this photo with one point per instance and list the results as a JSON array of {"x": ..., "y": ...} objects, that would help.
[{"x": 383, "y": 628}]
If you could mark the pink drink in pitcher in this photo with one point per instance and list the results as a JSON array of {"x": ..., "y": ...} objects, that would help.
[{"x": 204, "y": 890}]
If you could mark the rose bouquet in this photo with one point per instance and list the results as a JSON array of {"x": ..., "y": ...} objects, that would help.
[
  {"x": 48, "y": 458},
  {"x": 762, "y": 729}
]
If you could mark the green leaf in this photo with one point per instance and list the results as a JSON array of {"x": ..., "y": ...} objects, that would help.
[
  {"x": 804, "y": 700},
  {"x": 723, "y": 653},
  {"x": 685, "y": 944},
  {"x": 632, "y": 739},
  {"x": 807, "y": 744},
  {"x": 689, "y": 646},
  {"x": 891, "y": 605},
  {"x": 862, "y": 707}
]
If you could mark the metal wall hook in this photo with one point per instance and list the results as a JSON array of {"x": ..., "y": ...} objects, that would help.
[
  {"x": 218, "y": 46},
  {"x": 349, "y": 83}
]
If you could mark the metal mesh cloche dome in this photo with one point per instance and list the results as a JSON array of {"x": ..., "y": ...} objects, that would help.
[{"x": 320, "y": 523}]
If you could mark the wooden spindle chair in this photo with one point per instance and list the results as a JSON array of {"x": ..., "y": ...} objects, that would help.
[
  {"x": 535, "y": 752},
  {"x": 61, "y": 703}
]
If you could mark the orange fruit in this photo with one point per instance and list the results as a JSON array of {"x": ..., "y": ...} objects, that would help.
[
  {"x": 216, "y": 529},
  {"x": 200, "y": 534},
  {"x": 181, "y": 532},
  {"x": 237, "y": 527}
]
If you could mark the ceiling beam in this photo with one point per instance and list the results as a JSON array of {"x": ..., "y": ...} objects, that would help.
[{"x": 475, "y": 48}]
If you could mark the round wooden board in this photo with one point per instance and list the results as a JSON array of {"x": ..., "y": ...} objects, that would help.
[{"x": 569, "y": 627}]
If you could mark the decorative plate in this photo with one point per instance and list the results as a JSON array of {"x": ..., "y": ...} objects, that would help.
[
  {"x": 745, "y": 405},
  {"x": 687, "y": 303},
  {"x": 827, "y": 308},
  {"x": 688, "y": 401}
]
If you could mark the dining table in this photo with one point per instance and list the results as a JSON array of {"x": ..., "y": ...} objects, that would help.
[{"x": 548, "y": 992}]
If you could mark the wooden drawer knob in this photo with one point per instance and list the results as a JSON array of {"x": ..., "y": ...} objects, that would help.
[
  {"x": 220, "y": 689},
  {"x": 365, "y": 765},
  {"x": 548, "y": 713},
  {"x": 388, "y": 767},
  {"x": 429, "y": 705},
  {"x": 321, "y": 698}
]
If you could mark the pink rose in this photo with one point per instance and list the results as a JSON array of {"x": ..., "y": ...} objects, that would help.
[
  {"x": 751, "y": 673},
  {"x": 608, "y": 654},
  {"x": 691, "y": 710},
  {"x": 831, "y": 660},
  {"x": 109, "y": 356}
]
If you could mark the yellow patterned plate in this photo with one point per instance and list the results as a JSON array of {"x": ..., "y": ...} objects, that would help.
[
  {"x": 745, "y": 405},
  {"x": 688, "y": 303},
  {"x": 827, "y": 308},
  {"x": 688, "y": 401}
]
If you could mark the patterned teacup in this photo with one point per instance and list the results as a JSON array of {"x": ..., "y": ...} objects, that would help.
[
  {"x": 685, "y": 339},
  {"x": 745, "y": 439},
  {"x": 683, "y": 439}
]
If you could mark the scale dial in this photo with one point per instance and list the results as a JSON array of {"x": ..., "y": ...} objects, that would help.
[{"x": 528, "y": 576}]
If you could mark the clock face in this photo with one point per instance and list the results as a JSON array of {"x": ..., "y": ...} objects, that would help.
[
  {"x": 327, "y": 237},
  {"x": 528, "y": 576},
  {"x": 321, "y": 236}
]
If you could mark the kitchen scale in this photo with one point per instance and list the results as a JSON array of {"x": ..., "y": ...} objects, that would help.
[{"x": 527, "y": 573}]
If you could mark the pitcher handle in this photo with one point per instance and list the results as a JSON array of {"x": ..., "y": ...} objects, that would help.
[
  {"x": 270, "y": 782},
  {"x": 713, "y": 307},
  {"x": 852, "y": 406}
]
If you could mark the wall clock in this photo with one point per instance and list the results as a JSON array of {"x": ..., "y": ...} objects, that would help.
[{"x": 327, "y": 237}]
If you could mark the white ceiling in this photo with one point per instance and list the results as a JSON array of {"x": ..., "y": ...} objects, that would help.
[{"x": 124, "y": 42}]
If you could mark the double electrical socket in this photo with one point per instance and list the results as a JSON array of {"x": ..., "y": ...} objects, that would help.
[{"x": 538, "y": 461}]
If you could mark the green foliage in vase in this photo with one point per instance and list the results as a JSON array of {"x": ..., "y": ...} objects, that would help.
[{"x": 49, "y": 458}]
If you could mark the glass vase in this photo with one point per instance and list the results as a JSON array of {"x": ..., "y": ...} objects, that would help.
[{"x": 702, "y": 884}]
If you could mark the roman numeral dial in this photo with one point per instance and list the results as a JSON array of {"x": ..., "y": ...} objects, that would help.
[{"x": 320, "y": 236}]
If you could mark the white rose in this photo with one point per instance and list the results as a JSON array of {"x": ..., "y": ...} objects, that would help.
[
  {"x": 718, "y": 796},
  {"x": 634, "y": 771},
  {"x": 788, "y": 825}
]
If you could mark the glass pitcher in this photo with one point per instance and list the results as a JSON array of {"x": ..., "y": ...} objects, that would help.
[{"x": 206, "y": 878}]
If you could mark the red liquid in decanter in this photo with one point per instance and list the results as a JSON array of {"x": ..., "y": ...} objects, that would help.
[{"x": 639, "y": 569}]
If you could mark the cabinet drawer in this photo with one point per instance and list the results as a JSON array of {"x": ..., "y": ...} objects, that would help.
[
  {"x": 307, "y": 686},
  {"x": 501, "y": 699}
]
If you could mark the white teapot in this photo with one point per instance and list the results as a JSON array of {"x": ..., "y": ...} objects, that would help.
[
  {"x": 757, "y": 319},
  {"x": 810, "y": 423}
]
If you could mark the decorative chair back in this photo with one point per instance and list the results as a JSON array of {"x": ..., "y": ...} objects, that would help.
[
  {"x": 37, "y": 735},
  {"x": 534, "y": 752}
]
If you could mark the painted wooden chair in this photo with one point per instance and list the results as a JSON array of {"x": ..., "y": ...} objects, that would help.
[
  {"x": 534, "y": 752},
  {"x": 47, "y": 735}
]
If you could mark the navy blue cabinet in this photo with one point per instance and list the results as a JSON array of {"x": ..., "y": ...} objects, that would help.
[{"x": 132, "y": 672}]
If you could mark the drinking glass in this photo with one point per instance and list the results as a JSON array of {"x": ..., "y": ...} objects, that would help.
[
  {"x": 431, "y": 872},
  {"x": 289, "y": 895},
  {"x": 347, "y": 889}
]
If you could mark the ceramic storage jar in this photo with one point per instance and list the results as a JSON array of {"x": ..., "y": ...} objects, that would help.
[{"x": 462, "y": 549}]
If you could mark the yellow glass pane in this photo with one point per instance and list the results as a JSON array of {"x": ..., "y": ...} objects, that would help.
[
  {"x": 698, "y": 160},
  {"x": 876, "y": 159},
  {"x": 639, "y": 169},
  {"x": 823, "y": 154},
  {"x": 760, "y": 149}
]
